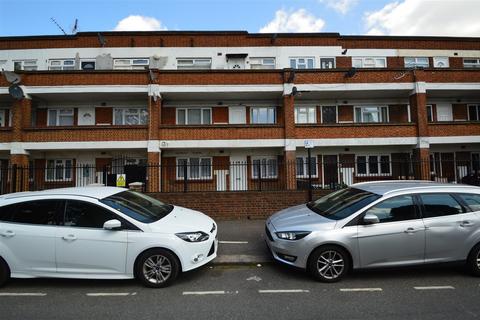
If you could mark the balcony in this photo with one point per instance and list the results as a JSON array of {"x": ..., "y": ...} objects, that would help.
[
  {"x": 355, "y": 130},
  {"x": 454, "y": 128},
  {"x": 221, "y": 132},
  {"x": 6, "y": 134}
]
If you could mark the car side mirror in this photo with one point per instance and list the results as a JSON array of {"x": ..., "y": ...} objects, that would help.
[
  {"x": 113, "y": 224},
  {"x": 370, "y": 219}
]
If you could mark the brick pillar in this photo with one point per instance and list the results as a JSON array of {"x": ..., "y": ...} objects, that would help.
[
  {"x": 289, "y": 116},
  {"x": 418, "y": 109},
  {"x": 19, "y": 172},
  {"x": 21, "y": 117},
  {"x": 290, "y": 158},
  {"x": 154, "y": 117},
  {"x": 153, "y": 171},
  {"x": 421, "y": 158}
]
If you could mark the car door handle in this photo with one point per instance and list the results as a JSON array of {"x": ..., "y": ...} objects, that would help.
[
  {"x": 7, "y": 234},
  {"x": 466, "y": 224},
  {"x": 70, "y": 237},
  {"x": 411, "y": 230}
]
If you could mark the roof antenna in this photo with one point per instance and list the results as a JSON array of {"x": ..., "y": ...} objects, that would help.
[
  {"x": 59, "y": 27},
  {"x": 102, "y": 40},
  {"x": 75, "y": 26}
]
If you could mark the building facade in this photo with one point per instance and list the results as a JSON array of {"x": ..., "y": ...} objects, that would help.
[{"x": 198, "y": 103}]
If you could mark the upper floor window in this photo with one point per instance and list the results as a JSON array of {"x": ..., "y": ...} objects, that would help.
[
  {"x": 373, "y": 165},
  {"x": 369, "y": 62},
  {"x": 262, "y": 63},
  {"x": 302, "y": 63},
  {"x": 329, "y": 114},
  {"x": 474, "y": 112},
  {"x": 370, "y": 114},
  {"x": 327, "y": 63},
  {"x": 441, "y": 62},
  {"x": 429, "y": 113},
  {"x": 59, "y": 170},
  {"x": 87, "y": 64},
  {"x": 263, "y": 115},
  {"x": 416, "y": 62},
  {"x": 194, "y": 168},
  {"x": 3, "y": 116},
  {"x": 60, "y": 117},
  {"x": 305, "y": 115},
  {"x": 61, "y": 64},
  {"x": 27, "y": 65},
  {"x": 194, "y": 115},
  {"x": 130, "y": 64},
  {"x": 471, "y": 63},
  {"x": 130, "y": 116},
  {"x": 194, "y": 63}
]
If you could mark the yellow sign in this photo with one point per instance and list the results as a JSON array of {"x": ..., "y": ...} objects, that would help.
[{"x": 121, "y": 180}]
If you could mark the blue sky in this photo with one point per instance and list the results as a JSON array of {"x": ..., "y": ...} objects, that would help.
[{"x": 409, "y": 17}]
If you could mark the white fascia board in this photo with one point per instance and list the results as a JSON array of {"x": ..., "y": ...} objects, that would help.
[
  {"x": 358, "y": 142},
  {"x": 220, "y": 88},
  {"x": 201, "y": 144},
  {"x": 85, "y": 145},
  {"x": 87, "y": 89},
  {"x": 454, "y": 139},
  {"x": 452, "y": 86},
  {"x": 355, "y": 86}
]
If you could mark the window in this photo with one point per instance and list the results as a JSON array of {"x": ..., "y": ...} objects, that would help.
[
  {"x": 305, "y": 115},
  {"x": 27, "y": 65},
  {"x": 195, "y": 168},
  {"x": 474, "y": 112},
  {"x": 302, "y": 167},
  {"x": 43, "y": 212},
  {"x": 130, "y": 64},
  {"x": 399, "y": 208},
  {"x": 61, "y": 64},
  {"x": 59, "y": 170},
  {"x": 476, "y": 162},
  {"x": 370, "y": 114},
  {"x": 429, "y": 113},
  {"x": 60, "y": 117},
  {"x": 369, "y": 62},
  {"x": 194, "y": 116},
  {"x": 327, "y": 63},
  {"x": 83, "y": 214},
  {"x": 416, "y": 62},
  {"x": 441, "y": 62},
  {"x": 440, "y": 204},
  {"x": 329, "y": 114},
  {"x": 266, "y": 168},
  {"x": 87, "y": 65},
  {"x": 472, "y": 201},
  {"x": 130, "y": 116},
  {"x": 194, "y": 63},
  {"x": 261, "y": 115},
  {"x": 378, "y": 165},
  {"x": 262, "y": 63},
  {"x": 471, "y": 63},
  {"x": 302, "y": 63},
  {"x": 2, "y": 118}
]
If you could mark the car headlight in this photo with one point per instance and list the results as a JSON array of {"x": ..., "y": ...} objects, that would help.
[
  {"x": 292, "y": 235},
  {"x": 197, "y": 236}
]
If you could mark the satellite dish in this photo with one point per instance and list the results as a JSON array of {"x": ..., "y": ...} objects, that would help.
[
  {"x": 350, "y": 73},
  {"x": 12, "y": 77},
  {"x": 16, "y": 92}
]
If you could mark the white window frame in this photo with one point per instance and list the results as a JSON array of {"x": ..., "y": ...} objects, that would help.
[
  {"x": 180, "y": 172},
  {"x": 381, "y": 120},
  {"x": 321, "y": 113},
  {"x": 259, "y": 63},
  {"x": 379, "y": 165},
  {"x": 334, "y": 62},
  {"x": 364, "y": 62},
  {"x": 61, "y": 64},
  {"x": 253, "y": 109},
  {"x": 477, "y": 111},
  {"x": 475, "y": 64},
  {"x": 195, "y": 64},
  {"x": 305, "y": 166},
  {"x": 60, "y": 164},
  {"x": 187, "y": 109},
  {"x": 307, "y": 112},
  {"x": 266, "y": 165},
  {"x": 26, "y": 65},
  {"x": 140, "y": 112},
  {"x": 130, "y": 63},
  {"x": 58, "y": 116},
  {"x": 414, "y": 62},
  {"x": 304, "y": 64},
  {"x": 443, "y": 60}
]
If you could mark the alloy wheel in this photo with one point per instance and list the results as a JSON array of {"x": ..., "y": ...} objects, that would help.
[
  {"x": 330, "y": 264},
  {"x": 157, "y": 269}
]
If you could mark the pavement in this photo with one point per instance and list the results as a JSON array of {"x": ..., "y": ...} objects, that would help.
[{"x": 242, "y": 242}]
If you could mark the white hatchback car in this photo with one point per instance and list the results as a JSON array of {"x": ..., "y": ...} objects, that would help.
[{"x": 101, "y": 233}]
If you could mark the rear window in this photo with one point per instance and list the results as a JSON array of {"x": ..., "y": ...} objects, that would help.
[
  {"x": 342, "y": 203},
  {"x": 472, "y": 200},
  {"x": 44, "y": 212}
]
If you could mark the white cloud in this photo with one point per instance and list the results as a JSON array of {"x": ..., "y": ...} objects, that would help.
[
  {"x": 139, "y": 23},
  {"x": 426, "y": 17},
  {"x": 294, "y": 21},
  {"x": 341, "y": 6}
]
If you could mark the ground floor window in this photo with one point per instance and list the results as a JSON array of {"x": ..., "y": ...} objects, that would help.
[
  {"x": 302, "y": 167},
  {"x": 194, "y": 168},
  {"x": 59, "y": 170},
  {"x": 265, "y": 167},
  {"x": 374, "y": 165}
]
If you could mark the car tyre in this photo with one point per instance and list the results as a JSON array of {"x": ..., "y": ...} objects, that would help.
[
  {"x": 157, "y": 268},
  {"x": 473, "y": 261},
  {"x": 4, "y": 272},
  {"x": 329, "y": 263}
]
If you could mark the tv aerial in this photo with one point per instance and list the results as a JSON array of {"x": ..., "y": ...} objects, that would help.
[{"x": 74, "y": 28}]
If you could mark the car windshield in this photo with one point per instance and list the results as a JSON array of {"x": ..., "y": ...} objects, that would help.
[
  {"x": 342, "y": 203},
  {"x": 138, "y": 206}
]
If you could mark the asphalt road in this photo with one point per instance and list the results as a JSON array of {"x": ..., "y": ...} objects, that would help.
[{"x": 251, "y": 292}]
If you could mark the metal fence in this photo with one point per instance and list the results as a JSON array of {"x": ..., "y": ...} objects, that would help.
[{"x": 258, "y": 175}]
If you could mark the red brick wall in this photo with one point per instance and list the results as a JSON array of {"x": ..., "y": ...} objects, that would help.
[
  {"x": 221, "y": 132},
  {"x": 220, "y": 115},
  {"x": 454, "y": 129},
  {"x": 41, "y": 120},
  {"x": 398, "y": 113},
  {"x": 356, "y": 131},
  {"x": 86, "y": 133},
  {"x": 343, "y": 62},
  {"x": 456, "y": 63},
  {"x": 169, "y": 115},
  {"x": 103, "y": 115}
]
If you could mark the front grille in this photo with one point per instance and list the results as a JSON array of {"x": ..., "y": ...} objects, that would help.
[
  {"x": 269, "y": 235},
  {"x": 212, "y": 250}
]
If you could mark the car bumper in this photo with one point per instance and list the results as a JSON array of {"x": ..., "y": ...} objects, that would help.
[
  {"x": 199, "y": 254},
  {"x": 289, "y": 252}
]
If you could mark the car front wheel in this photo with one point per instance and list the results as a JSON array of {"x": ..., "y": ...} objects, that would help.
[
  {"x": 157, "y": 268},
  {"x": 473, "y": 262},
  {"x": 4, "y": 272},
  {"x": 329, "y": 264}
]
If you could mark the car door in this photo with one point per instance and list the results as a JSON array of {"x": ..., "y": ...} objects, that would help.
[
  {"x": 27, "y": 235},
  {"x": 84, "y": 248},
  {"x": 398, "y": 238},
  {"x": 449, "y": 225}
]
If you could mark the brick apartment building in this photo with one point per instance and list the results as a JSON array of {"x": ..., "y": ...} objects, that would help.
[{"x": 200, "y": 101}]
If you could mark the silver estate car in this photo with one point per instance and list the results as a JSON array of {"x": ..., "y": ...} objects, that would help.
[{"x": 379, "y": 224}]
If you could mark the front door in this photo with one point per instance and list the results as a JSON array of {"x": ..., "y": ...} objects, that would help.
[
  {"x": 238, "y": 173},
  {"x": 330, "y": 169},
  {"x": 84, "y": 248},
  {"x": 398, "y": 239}
]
